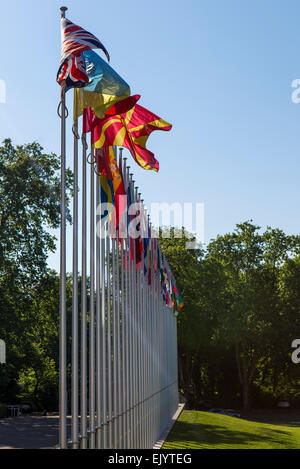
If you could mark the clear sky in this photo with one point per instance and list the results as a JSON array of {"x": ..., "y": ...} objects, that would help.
[{"x": 219, "y": 70}]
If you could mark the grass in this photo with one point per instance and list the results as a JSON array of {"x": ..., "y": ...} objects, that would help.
[{"x": 205, "y": 430}]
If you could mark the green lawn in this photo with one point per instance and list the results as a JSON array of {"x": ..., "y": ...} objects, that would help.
[{"x": 205, "y": 430}]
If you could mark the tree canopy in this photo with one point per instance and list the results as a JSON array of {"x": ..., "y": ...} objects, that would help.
[
  {"x": 29, "y": 206},
  {"x": 239, "y": 315}
]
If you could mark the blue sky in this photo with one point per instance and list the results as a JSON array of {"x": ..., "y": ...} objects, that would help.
[{"x": 219, "y": 70}]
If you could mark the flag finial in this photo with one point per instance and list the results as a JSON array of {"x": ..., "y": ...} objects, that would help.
[{"x": 63, "y": 11}]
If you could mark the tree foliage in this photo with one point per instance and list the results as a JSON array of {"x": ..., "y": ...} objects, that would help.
[
  {"x": 241, "y": 305},
  {"x": 29, "y": 206}
]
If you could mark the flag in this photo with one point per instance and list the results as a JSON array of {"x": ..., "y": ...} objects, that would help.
[
  {"x": 162, "y": 275},
  {"x": 105, "y": 175},
  {"x": 139, "y": 248},
  {"x": 133, "y": 242},
  {"x": 145, "y": 248},
  {"x": 147, "y": 252},
  {"x": 166, "y": 283},
  {"x": 103, "y": 90},
  {"x": 149, "y": 259},
  {"x": 74, "y": 41},
  {"x": 129, "y": 218},
  {"x": 131, "y": 130},
  {"x": 178, "y": 298},
  {"x": 90, "y": 120},
  {"x": 159, "y": 262},
  {"x": 120, "y": 196}
]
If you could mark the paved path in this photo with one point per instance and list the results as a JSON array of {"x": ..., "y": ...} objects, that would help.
[{"x": 29, "y": 432}]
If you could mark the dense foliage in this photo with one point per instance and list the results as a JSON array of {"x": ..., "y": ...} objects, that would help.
[
  {"x": 241, "y": 312},
  {"x": 29, "y": 206}
]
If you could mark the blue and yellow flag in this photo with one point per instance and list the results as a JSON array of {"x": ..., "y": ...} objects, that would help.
[
  {"x": 106, "y": 180},
  {"x": 105, "y": 87},
  {"x": 107, "y": 191}
]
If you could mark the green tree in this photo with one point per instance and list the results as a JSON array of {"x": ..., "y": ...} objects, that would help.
[
  {"x": 201, "y": 283},
  {"x": 29, "y": 206},
  {"x": 251, "y": 261}
]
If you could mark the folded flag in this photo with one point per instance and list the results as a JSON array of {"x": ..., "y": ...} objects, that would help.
[
  {"x": 149, "y": 262},
  {"x": 131, "y": 130},
  {"x": 178, "y": 299},
  {"x": 103, "y": 90},
  {"x": 120, "y": 196},
  {"x": 145, "y": 246},
  {"x": 105, "y": 175},
  {"x": 138, "y": 246},
  {"x": 129, "y": 218},
  {"x": 74, "y": 41}
]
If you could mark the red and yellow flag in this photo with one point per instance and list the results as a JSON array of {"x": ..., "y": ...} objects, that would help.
[
  {"x": 112, "y": 184},
  {"x": 130, "y": 130},
  {"x": 118, "y": 185}
]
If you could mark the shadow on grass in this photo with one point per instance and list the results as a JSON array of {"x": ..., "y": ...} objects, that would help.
[{"x": 202, "y": 435}]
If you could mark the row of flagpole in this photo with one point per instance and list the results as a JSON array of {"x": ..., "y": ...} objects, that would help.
[
  {"x": 124, "y": 386},
  {"x": 132, "y": 339}
]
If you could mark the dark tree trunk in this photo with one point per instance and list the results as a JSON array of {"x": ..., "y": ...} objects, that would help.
[
  {"x": 246, "y": 375},
  {"x": 246, "y": 398},
  {"x": 35, "y": 392}
]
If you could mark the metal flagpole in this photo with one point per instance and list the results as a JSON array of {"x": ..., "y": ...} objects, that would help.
[
  {"x": 140, "y": 332},
  {"x": 119, "y": 324},
  {"x": 122, "y": 320},
  {"x": 62, "y": 306},
  {"x": 83, "y": 394},
  {"x": 135, "y": 331},
  {"x": 109, "y": 360},
  {"x": 126, "y": 301},
  {"x": 103, "y": 341},
  {"x": 142, "y": 337},
  {"x": 129, "y": 324},
  {"x": 155, "y": 373},
  {"x": 146, "y": 367},
  {"x": 98, "y": 320},
  {"x": 131, "y": 365},
  {"x": 74, "y": 386},
  {"x": 138, "y": 341},
  {"x": 92, "y": 304},
  {"x": 114, "y": 341},
  {"x": 118, "y": 332},
  {"x": 134, "y": 334},
  {"x": 143, "y": 344}
]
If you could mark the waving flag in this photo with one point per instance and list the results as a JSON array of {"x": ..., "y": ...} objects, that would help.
[
  {"x": 74, "y": 41},
  {"x": 90, "y": 120},
  {"x": 104, "y": 89},
  {"x": 131, "y": 130}
]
